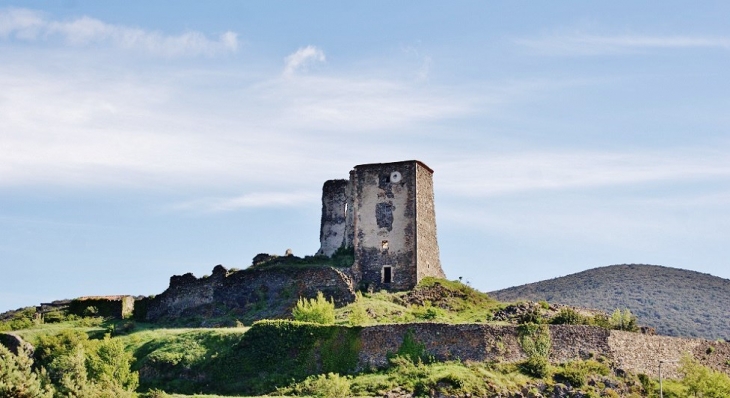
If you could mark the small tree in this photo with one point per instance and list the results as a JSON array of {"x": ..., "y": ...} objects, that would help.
[
  {"x": 19, "y": 380},
  {"x": 317, "y": 310},
  {"x": 702, "y": 381},
  {"x": 623, "y": 320}
]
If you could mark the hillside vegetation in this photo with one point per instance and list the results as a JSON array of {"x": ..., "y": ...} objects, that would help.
[
  {"x": 97, "y": 357},
  {"x": 676, "y": 302}
]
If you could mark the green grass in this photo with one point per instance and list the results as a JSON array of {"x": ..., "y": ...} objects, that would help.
[{"x": 448, "y": 302}]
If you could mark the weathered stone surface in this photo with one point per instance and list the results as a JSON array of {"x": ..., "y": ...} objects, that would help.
[
  {"x": 385, "y": 213},
  {"x": 635, "y": 352},
  {"x": 274, "y": 290},
  {"x": 15, "y": 343}
]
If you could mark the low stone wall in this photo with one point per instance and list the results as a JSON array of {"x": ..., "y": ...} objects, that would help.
[
  {"x": 468, "y": 342},
  {"x": 634, "y": 352},
  {"x": 570, "y": 342},
  {"x": 259, "y": 292}
]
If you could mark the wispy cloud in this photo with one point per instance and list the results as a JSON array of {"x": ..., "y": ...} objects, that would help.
[
  {"x": 302, "y": 58},
  {"x": 29, "y": 25},
  {"x": 588, "y": 44},
  {"x": 501, "y": 174},
  {"x": 255, "y": 200}
]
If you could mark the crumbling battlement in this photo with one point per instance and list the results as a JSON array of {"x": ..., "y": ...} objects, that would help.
[{"x": 264, "y": 292}]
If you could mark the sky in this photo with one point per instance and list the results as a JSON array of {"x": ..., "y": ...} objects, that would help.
[{"x": 145, "y": 139}]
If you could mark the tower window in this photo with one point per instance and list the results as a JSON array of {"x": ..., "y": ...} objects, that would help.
[
  {"x": 387, "y": 274},
  {"x": 384, "y": 245}
]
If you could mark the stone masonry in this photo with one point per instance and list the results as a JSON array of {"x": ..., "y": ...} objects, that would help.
[
  {"x": 385, "y": 213},
  {"x": 634, "y": 352}
]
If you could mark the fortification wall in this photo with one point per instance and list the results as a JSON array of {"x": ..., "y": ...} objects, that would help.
[
  {"x": 427, "y": 248},
  {"x": 257, "y": 293},
  {"x": 634, "y": 352},
  {"x": 641, "y": 353}
]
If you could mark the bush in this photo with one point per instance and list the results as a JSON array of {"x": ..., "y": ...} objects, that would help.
[
  {"x": 412, "y": 349},
  {"x": 576, "y": 372},
  {"x": 535, "y": 342},
  {"x": 358, "y": 315},
  {"x": 624, "y": 320},
  {"x": 536, "y": 366},
  {"x": 331, "y": 385},
  {"x": 317, "y": 310},
  {"x": 19, "y": 380},
  {"x": 87, "y": 368},
  {"x": 601, "y": 320},
  {"x": 703, "y": 381},
  {"x": 568, "y": 316},
  {"x": 427, "y": 312},
  {"x": 531, "y": 316}
]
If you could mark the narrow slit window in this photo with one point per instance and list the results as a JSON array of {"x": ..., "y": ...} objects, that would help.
[{"x": 387, "y": 274}]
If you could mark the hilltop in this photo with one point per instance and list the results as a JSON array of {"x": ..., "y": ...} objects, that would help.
[{"x": 676, "y": 302}]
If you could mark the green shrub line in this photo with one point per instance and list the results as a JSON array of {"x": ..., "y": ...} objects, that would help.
[{"x": 534, "y": 339}]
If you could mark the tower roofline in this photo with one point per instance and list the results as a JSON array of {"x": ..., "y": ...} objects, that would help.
[{"x": 396, "y": 163}]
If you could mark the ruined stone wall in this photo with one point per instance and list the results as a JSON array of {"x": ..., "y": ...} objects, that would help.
[
  {"x": 384, "y": 224},
  {"x": 120, "y": 307},
  {"x": 467, "y": 342},
  {"x": 252, "y": 293},
  {"x": 333, "y": 228},
  {"x": 642, "y": 353},
  {"x": 634, "y": 352},
  {"x": 428, "y": 261}
]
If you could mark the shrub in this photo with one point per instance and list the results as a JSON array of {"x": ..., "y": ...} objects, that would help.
[
  {"x": 601, "y": 320},
  {"x": 568, "y": 316},
  {"x": 331, "y": 385},
  {"x": 412, "y": 349},
  {"x": 535, "y": 342},
  {"x": 624, "y": 320},
  {"x": 19, "y": 380},
  {"x": 358, "y": 315},
  {"x": 87, "y": 368},
  {"x": 317, "y": 310},
  {"x": 427, "y": 312},
  {"x": 531, "y": 316},
  {"x": 577, "y": 372},
  {"x": 703, "y": 381},
  {"x": 536, "y": 366}
]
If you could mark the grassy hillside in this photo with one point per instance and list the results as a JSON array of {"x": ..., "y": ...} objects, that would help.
[
  {"x": 281, "y": 357},
  {"x": 674, "y": 301}
]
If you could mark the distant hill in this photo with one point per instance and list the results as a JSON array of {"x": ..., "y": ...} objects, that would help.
[{"x": 676, "y": 302}]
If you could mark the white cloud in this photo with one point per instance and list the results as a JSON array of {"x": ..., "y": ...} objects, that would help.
[
  {"x": 587, "y": 44},
  {"x": 255, "y": 200},
  {"x": 30, "y": 25},
  {"x": 501, "y": 174},
  {"x": 301, "y": 58}
]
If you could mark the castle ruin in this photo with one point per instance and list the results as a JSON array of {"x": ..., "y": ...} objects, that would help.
[{"x": 385, "y": 213}]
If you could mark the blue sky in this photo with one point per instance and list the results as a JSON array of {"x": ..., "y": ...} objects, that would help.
[{"x": 139, "y": 140}]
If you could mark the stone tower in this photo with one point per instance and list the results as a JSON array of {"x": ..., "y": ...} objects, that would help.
[{"x": 385, "y": 213}]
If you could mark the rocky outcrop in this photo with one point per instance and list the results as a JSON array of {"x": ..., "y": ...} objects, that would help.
[{"x": 15, "y": 343}]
